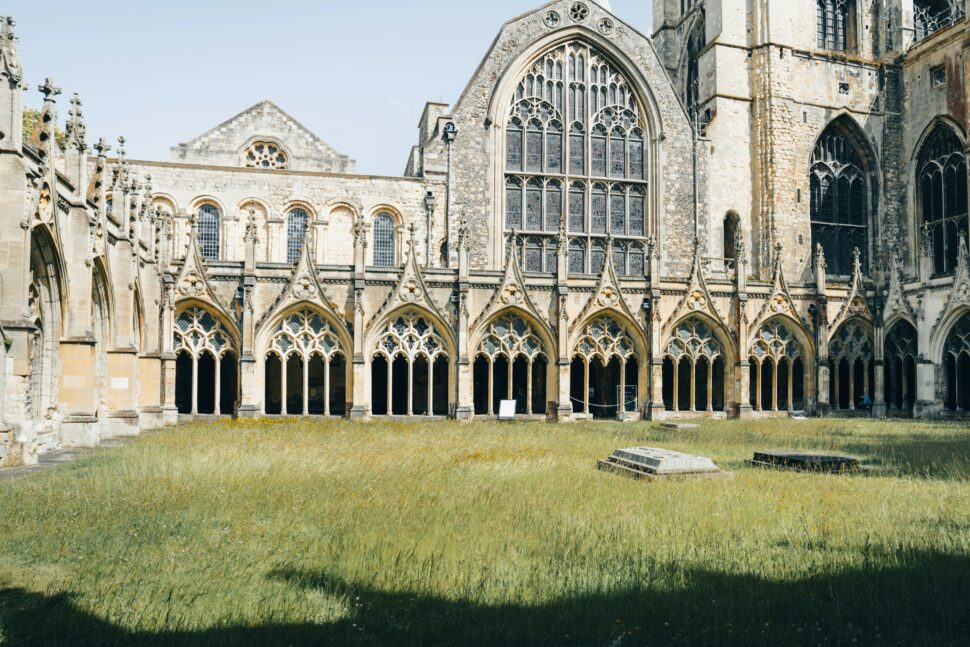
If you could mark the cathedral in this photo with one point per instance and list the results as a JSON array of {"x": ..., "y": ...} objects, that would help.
[{"x": 759, "y": 209}]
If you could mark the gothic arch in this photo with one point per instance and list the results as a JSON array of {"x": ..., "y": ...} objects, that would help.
[
  {"x": 607, "y": 358},
  {"x": 376, "y": 329},
  {"x": 266, "y": 331},
  {"x": 206, "y": 347},
  {"x": 642, "y": 346},
  {"x": 852, "y": 357},
  {"x": 719, "y": 331},
  {"x": 782, "y": 364},
  {"x": 512, "y": 356},
  {"x": 829, "y": 225},
  {"x": 802, "y": 336},
  {"x": 943, "y": 330},
  {"x": 698, "y": 366},
  {"x": 939, "y": 120},
  {"x": 204, "y": 304},
  {"x": 541, "y": 328},
  {"x": 46, "y": 307}
]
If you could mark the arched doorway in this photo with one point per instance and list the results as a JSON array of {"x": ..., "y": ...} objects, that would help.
[
  {"x": 900, "y": 352},
  {"x": 510, "y": 365},
  {"x": 778, "y": 375},
  {"x": 203, "y": 346},
  {"x": 305, "y": 370},
  {"x": 956, "y": 367},
  {"x": 410, "y": 369},
  {"x": 851, "y": 357},
  {"x": 694, "y": 369},
  {"x": 605, "y": 370}
]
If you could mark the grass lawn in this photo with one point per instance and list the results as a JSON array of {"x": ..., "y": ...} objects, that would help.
[{"x": 310, "y": 533}]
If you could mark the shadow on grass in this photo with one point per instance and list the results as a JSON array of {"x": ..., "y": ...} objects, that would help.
[{"x": 924, "y": 601}]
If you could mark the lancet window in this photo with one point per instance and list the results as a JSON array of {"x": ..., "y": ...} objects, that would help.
[
  {"x": 605, "y": 370},
  {"x": 693, "y": 369},
  {"x": 575, "y": 149},
  {"x": 384, "y": 240},
  {"x": 777, "y": 369},
  {"x": 410, "y": 369},
  {"x": 206, "y": 372},
  {"x": 853, "y": 368},
  {"x": 296, "y": 227},
  {"x": 210, "y": 225},
  {"x": 956, "y": 367},
  {"x": 306, "y": 367},
  {"x": 942, "y": 177},
  {"x": 839, "y": 201},
  {"x": 836, "y": 25},
  {"x": 510, "y": 365},
  {"x": 900, "y": 352}
]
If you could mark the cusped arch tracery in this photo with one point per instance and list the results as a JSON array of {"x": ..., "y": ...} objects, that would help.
[
  {"x": 777, "y": 341},
  {"x": 511, "y": 336},
  {"x": 605, "y": 338},
  {"x": 411, "y": 334},
  {"x": 694, "y": 338},
  {"x": 198, "y": 331},
  {"x": 851, "y": 342},
  {"x": 306, "y": 333}
]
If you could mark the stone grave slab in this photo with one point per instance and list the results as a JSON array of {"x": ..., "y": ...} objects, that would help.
[
  {"x": 652, "y": 462},
  {"x": 806, "y": 462},
  {"x": 683, "y": 426}
]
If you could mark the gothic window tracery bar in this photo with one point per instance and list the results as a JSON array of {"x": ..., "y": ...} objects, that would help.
[
  {"x": 900, "y": 354},
  {"x": 605, "y": 370},
  {"x": 693, "y": 369},
  {"x": 311, "y": 366},
  {"x": 942, "y": 194},
  {"x": 296, "y": 227},
  {"x": 930, "y": 16},
  {"x": 851, "y": 353},
  {"x": 205, "y": 354},
  {"x": 575, "y": 149},
  {"x": 836, "y": 25},
  {"x": 956, "y": 367},
  {"x": 510, "y": 365},
  {"x": 839, "y": 184},
  {"x": 777, "y": 369},
  {"x": 410, "y": 369}
]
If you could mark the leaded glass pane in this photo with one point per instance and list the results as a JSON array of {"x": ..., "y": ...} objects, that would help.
[
  {"x": 617, "y": 212},
  {"x": 554, "y": 149},
  {"x": 513, "y": 207},
  {"x": 599, "y": 210},
  {"x": 597, "y": 258},
  {"x": 577, "y": 257},
  {"x": 513, "y": 147},
  {"x": 636, "y": 157},
  {"x": 636, "y": 263},
  {"x": 619, "y": 261},
  {"x": 636, "y": 213},
  {"x": 208, "y": 236},
  {"x": 551, "y": 256},
  {"x": 533, "y": 206},
  {"x": 553, "y": 206},
  {"x": 534, "y": 148},
  {"x": 296, "y": 226},
  {"x": 577, "y": 210},
  {"x": 384, "y": 241},
  {"x": 617, "y": 155},
  {"x": 533, "y": 256},
  {"x": 577, "y": 154},
  {"x": 599, "y": 154}
]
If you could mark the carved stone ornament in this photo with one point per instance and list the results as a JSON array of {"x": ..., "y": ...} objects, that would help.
[
  {"x": 552, "y": 19},
  {"x": 780, "y": 303},
  {"x": 697, "y": 300},
  {"x": 962, "y": 293},
  {"x": 304, "y": 288},
  {"x": 512, "y": 295},
  {"x": 857, "y": 306},
  {"x": 192, "y": 285},
  {"x": 578, "y": 12},
  {"x": 608, "y": 297},
  {"x": 410, "y": 291}
]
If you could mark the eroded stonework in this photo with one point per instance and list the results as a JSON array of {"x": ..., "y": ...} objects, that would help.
[{"x": 753, "y": 212}]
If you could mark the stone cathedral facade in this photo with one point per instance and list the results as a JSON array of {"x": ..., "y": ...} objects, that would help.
[{"x": 761, "y": 208}]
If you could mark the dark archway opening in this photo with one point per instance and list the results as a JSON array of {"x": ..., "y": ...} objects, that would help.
[
  {"x": 520, "y": 384},
  {"x": 294, "y": 386},
  {"x": 784, "y": 374},
  {"x": 338, "y": 386},
  {"x": 767, "y": 385},
  {"x": 400, "y": 386},
  {"x": 206, "y": 384},
  {"x": 798, "y": 385},
  {"x": 963, "y": 382},
  {"x": 701, "y": 371},
  {"x": 577, "y": 386},
  {"x": 683, "y": 385},
  {"x": 844, "y": 394},
  {"x": 668, "y": 384},
  {"x": 500, "y": 382},
  {"x": 378, "y": 385},
  {"x": 631, "y": 399},
  {"x": 539, "y": 398},
  {"x": 442, "y": 372},
  {"x": 419, "y": 392},
  {"x": 316, "y": 380},
  {"x": 273, "y": 404},
  {"x": 228, "y": 384},
  {"x": 480, "y": 379},
  {"x": 183, "y": 383}
]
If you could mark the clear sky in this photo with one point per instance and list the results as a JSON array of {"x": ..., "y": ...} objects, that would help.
[{"x": 358, "y": 74}]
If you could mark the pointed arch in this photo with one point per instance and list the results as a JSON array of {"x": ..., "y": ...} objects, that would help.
[
  {"x": 218, "y": 315},
  {"x": 376, "y": 329},
  {"x": 940, "y": 192},
  {"x": 844, "y": 181},
  {"x": 267, "y": 330},
  {"x": 642, "y": 346},
  {"x": 540, "y": 327},
  {"x": 943, "y": 330},
  {"x": 698, "y": 366}
]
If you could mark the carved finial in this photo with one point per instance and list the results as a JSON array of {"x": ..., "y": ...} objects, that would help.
[
  {"x": 609, "y": 245},
  {"x": 49, "y": 90},
  {"x": 102, "y": 147},
  {"x": 856, "y": 260},
  {"x": 513, "y": 242},
  {"x": 10, "y": 68},
  {"x": 252, "y": 231},
  {"x": 75, "y": 129},
  {"x": 651, "y": 247},
  {"x": 740, "y": 247},
  {"x": 820, "y": 257},
  {"x": 926, "y": 241},
  {"x": 122, "y": 153}
]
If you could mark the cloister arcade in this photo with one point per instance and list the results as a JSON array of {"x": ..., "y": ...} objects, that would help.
[
  {"x": 410, "y": 368},
  {"x": 511, "y": 364},
  {"x": 779, "y": 379},
  {"x": 206, "y": 366},
  {"x": 852, "y": 358},
  {"x": 694, "y": 369}
]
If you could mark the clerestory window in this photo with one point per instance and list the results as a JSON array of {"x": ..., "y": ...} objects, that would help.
[
  {"x": 942, "y": 180},
  {"x": 836, "y": 25}
]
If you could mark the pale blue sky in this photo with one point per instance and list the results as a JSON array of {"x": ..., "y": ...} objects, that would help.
[{"x": 161, "y": 72}]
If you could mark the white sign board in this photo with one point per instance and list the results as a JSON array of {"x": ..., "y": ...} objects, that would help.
[{"x": 506, "y": 410}]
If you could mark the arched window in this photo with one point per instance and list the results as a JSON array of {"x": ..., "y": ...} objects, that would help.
[
  {"x": 296, "y": 226},
  {"x": 900, "y": 355},
  {"x": 731, "y": 224},
  {"x": 693, "y": 369},
  {"x": 206, "y": 359},
  {"x": 836, "y": 25},
  {"x": 265, "y": 155},
  {"x": 410, "y": 369},
  {"x": 209, "y": 231},
  {"x": 929, "y": 16},
  {"x": 575, "y": 150},
  {"x": 956, "y": 365},
  {"x": 778, "y": 374},
  {"x": 853, "y": 375},
  {"x": 384, "y": 240},
  {"x": 839, "y": 200},
  {"x": 510, "y": 366},
  {"x": 942, "y": 195},
  {"x": 306, "y": 348},
  {"x": 605, "y": 370}
]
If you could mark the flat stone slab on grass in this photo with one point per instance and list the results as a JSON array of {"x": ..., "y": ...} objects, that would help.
[
  {"x": 679, "y": 425},
  {"x": 806, "y": 462},
  {"x": 650, "y": 462}
]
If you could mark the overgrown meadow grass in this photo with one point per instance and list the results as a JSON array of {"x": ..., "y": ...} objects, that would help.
[{"x": 315, "y": 532}]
